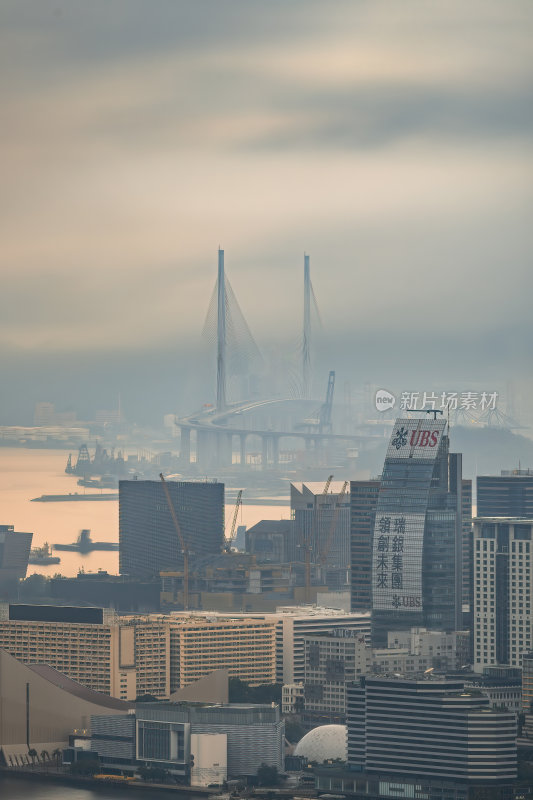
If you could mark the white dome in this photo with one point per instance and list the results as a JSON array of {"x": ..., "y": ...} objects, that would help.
[{"x": 323, "y": 743}]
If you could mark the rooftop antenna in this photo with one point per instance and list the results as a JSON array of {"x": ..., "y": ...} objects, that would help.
[{"x": 433, "y": 411}]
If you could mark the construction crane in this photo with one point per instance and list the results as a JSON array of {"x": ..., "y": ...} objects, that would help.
[
  {"x": 320, "y": 422},
  {"x": 184, "y": 546},
  {"x": 238, "y": 504},
  {"x": 308, "y": 542},
  {"x": 324, "y": 416},
  {"x": 331, "y": 532}
]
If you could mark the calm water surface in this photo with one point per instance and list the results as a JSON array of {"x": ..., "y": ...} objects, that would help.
[
  {"x": 15, "y": 789},
  {"x": 25, "y": 474}
]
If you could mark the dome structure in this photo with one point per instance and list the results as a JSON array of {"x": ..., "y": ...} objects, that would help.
[{"x": 324, "y": 743}]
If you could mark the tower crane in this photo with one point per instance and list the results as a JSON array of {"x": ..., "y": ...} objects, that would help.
[
  {"x": 238, "y": 504},
  {"x": 183, "y": 543}
]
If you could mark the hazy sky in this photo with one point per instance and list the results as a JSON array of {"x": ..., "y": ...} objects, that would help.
[{"x": 391, "y": 140}]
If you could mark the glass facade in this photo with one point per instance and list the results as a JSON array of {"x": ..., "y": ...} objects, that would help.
[{"x": 417, "y": 541}]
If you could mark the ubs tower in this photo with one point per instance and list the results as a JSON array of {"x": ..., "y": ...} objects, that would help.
[{"x": 416, "y": 550}]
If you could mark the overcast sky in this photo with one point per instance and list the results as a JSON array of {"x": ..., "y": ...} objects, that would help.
[{"x": 390, "y": 140}]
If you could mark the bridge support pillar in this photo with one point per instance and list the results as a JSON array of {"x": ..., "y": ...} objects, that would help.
[
  {"x": 264, "y": 458},
  {"x": 185, "y": 446},
  {"x": 275, "y": 450},
  {"x": 242, "y": 439},
  {"x": 224, "y": 449}
]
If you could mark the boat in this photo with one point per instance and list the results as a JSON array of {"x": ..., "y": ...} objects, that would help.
[
  {"x": 105, "y": 482},
  {"x": 84, "y": 544},
  {"x": 43, "y": 555},
  {"x": 58, "y": 498}
]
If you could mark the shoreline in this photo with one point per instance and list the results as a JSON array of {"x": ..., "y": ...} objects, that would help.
[{"x": 91, "y": 783}]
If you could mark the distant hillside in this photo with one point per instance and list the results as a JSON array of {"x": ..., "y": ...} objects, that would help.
[{"x": 486, "y": 451}]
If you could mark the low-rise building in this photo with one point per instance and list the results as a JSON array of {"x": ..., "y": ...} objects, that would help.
[{"x": 200, "y": 741}]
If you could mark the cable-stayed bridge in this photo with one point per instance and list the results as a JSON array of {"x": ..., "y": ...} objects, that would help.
[{"x": 238, "y": 360}]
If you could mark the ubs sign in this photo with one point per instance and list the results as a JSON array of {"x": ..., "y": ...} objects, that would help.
[{"x": 414, "y": 438}]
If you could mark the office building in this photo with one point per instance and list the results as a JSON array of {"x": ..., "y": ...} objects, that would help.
[
  {"x": 200, "y": 741},
  {"x": 294, "y": 624},
  {"x": 333, "y": 660},
  {"x": 434, "y": 728},
  {"x": 507, "y": 495},
  {"x": 417, "y": 542},
  {"x": 272, "y": 541},
  {"x": 322, "y": 523},
  {"x": 468, "y": 553},
  {"x": 149, "y": 542},
  {"x": 503, "y": 584},
  {"x": 330, "y": 662},
  {"x": 14, "y": 553},
  {"x": 363, "y": 503}
]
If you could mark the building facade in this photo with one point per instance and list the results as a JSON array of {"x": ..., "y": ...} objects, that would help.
[
  {"x": 363, "y": 503},
  {"x": 127, "y": 657},
  {"x": 503, "y": 591},
  {"x": 14, "y": 553},
  {"x": 322, "y": 522},
  {"x": 177, "y": 738},
  {"x": 507, "y": 495},
  {"x": 434, "y": 728},
  {"x": 417, "y": 542},
  {"x": 148, "y": 539}
]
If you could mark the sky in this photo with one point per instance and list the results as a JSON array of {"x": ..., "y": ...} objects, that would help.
[{"x": 389, "y": 140}]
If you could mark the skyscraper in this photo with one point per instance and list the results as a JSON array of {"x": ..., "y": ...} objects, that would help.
[
  {"x": 507, "y": 495},
  {"x": 363, "y": 502},
  {"x": 322, "y": 520},
  {"x": 417, "y": 542},
  {"x": 503, "y": 591},
  {"x": 148, "y": 539}
]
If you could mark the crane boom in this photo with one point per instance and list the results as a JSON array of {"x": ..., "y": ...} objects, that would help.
[
  {"x": 238, "y": 504},
  {"x": 182, "y": 541}
]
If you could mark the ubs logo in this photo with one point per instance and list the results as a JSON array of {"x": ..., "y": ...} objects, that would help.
[
  {"x": 419, "y": 438},
  {"x": 406, "y": 601}
]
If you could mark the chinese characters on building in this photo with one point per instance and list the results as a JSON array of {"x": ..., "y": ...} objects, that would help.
[{"x": 391, "y": 532}]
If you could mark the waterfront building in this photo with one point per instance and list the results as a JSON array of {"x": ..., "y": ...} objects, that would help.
[
  {"x": 417, "y": 542},
  {"x": 148, "y": 540},
  {"x": 14, "y": 553},
  {"x": 363, "y": 503},
  {"x": 503, "y": 591},
  {"x": 193, "y": 741},
  {"x": 509, "y": 494},
  {"x": 433, "y": 727},
  {"x": 40, "y": 709}
]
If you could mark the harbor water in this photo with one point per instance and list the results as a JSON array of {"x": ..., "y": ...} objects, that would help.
[{"x": 29, "y": 473}]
